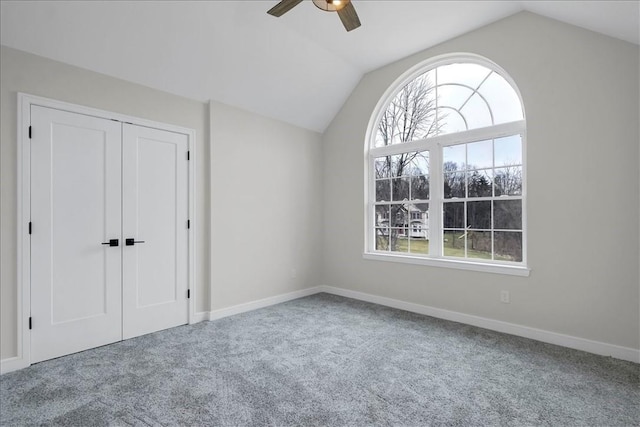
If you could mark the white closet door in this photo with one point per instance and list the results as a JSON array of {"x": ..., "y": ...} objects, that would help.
[
  {"x": 155, "y": 213},
  {"x": 75, "y": 207}
]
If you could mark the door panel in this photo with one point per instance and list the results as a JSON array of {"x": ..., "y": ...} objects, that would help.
[
  {"x": 156, "y": 216},
  {"x": 75, "y": 206},
  {"x": 155, "y": 211}
]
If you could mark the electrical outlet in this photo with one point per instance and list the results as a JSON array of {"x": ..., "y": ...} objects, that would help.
[{"x": 505, "y": 297}]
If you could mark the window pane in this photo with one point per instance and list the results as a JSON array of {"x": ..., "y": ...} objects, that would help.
[
  {"x": 400, "y": 189},
  {"x": 419, "y": 164},
  {"x": 479, "y": 215},
  {"x": 398, "y": 216},
  {"x": 418, "y": 223},
  {"x": 508, "y": 151},
  {"x": 410, "y": 114},
  {"x": 480, "y": 155},
  {"x": 382, "y": 216},
  {"x": 382, "y": 167},
  {"x": 382, "y": 239},
  {"x": 450, "y": 121},
  {"x": 454, "y": 158},
  {"x": 398, "y": 165},
  {"x": 453, "y": 215},
  {"x": 454, "y": 185},
  {"x": 419, "y": 212},
  {"x": 464, "y": 73},
  {"x": 508, "y": 246},
  {"x": 453, "y": 96},
  {"x": 508, "y": 181},
  {"x": 383, "y": 190},
  {"x": 507, "y": 214},
  {"x": 379, "y": 140},
  {"x": 479, "y": 183},
  {"x": 476, "y": 113},
  {"x": 502, "y": 98},
  {"x": 479, "y": 244},
  {"x": 418, "y": 245},
  {"x": 418, "y": 228},
  {"x": 398, "y": 240},
  {"x": 420, "y": 187},
  {"x": 419, "y": 169},
  {"x": 453, "y": 243}
]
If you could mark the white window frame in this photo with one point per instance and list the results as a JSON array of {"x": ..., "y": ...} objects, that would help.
[{"x": 434, "y": 146}]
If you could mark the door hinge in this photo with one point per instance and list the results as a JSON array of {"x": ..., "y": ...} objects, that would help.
[
  {"x": 30, "y": 228},
  {"x": 188, "y": 155},
  {"x": 188, "y": 293},
  {"x": 30, "y": 323},
  {"x": 29, "y": 132},
  {"x": 188, "y": 223}
]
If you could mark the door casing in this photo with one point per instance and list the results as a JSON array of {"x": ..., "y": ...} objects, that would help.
[{"x": 25, "y": 102}]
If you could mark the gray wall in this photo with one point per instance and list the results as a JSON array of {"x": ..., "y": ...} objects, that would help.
[
  {"x": 266, "y": 207},
  {"x": 580, "y": 92}
]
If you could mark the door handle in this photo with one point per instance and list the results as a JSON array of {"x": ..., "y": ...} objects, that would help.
[
  {"x": 131, "y": 242},
  {"x": 112, "y": 242}
]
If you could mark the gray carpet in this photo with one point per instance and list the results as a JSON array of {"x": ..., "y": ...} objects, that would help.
[{"x": 325, "y": 360}]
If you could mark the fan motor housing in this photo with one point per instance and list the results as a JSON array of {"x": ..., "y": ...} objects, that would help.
[{"x": 330, "y": 5}]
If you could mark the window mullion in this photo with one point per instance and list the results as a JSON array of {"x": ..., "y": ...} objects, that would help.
[
  {"x": 490, "y": 132},
  {"x": 493, "y": 194},
  {"x": 435, "y": 201},
  {"x": 524, "y": 196},
  {"x": 397, "y": 149},
  {"x": 370, "y": 205}
]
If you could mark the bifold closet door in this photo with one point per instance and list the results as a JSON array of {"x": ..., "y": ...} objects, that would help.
[
  {"x": 155, "y": 214},
  {"x": 76, "y": 215}
]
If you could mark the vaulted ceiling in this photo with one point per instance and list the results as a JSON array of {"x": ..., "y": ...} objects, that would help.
[{"x": 298, "y": 68}]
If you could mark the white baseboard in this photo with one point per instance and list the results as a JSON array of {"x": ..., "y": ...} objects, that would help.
[
  {"x": 200, "y": 316},
  {"x": 12, "y": 364},
  {"x": 596, "y": 347},
  {"x": 266, "y": 302}
]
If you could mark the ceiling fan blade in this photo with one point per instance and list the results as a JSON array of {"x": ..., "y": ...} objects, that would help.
[
  {"x": 349, "y": 17},
  {"x": 283, "y": 7}
]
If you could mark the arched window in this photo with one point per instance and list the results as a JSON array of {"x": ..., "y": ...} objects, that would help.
[{"x": 446, "y": 168}]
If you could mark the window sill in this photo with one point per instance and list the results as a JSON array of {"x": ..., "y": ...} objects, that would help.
[{"x": 513, "y": 270}]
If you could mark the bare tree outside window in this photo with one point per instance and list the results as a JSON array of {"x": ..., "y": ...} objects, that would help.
[{"x": 410, "y": 116}]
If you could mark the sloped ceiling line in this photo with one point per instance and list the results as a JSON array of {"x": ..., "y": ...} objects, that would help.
[{"x": 298, "y": 68}]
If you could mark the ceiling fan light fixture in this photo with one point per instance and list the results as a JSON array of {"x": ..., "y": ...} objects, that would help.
[
  {"x": 330, "y": 5},
  {"x": 346, "y": 11}
]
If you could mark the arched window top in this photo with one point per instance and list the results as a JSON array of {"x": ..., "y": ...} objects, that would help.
[{"x": 452, "y": 97}]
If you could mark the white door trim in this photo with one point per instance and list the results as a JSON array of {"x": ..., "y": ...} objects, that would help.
[{"x": 25, "y": 101}]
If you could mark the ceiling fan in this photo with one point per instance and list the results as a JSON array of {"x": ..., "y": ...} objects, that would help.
[{"x": 345, "y": 9}]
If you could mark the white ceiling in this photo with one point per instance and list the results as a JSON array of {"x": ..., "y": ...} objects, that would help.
[{"x": 299, "y": 68}]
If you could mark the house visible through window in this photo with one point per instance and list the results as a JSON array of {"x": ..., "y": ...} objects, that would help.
[{"x": 446, "y": 167}]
